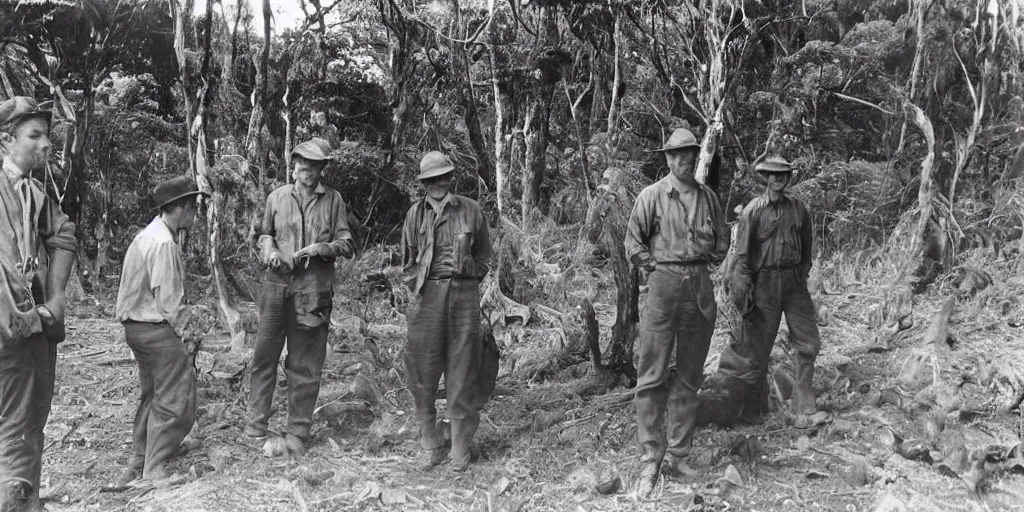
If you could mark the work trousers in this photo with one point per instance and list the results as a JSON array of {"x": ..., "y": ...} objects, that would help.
[
  {"x": 776, "y": 292},
  {"x": 679, "y": 316},
  {"x": 26, "y": 389},
  {"x": 280, "y": 323},
  {"x": 444, "y": 338},
  {"x": 167, "y": 409}
]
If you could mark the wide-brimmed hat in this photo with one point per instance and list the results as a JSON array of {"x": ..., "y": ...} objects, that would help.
[
  {"x": 774, "y": 164},
  {"x": 171, "y": 190},
  {"x": 681, "y": 138},
  {"x": 315, "y": 149},
  {"x": 13, "y": 110},
  {"x": 435, "y": 164}
]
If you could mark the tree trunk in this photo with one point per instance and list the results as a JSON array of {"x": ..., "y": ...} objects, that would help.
[
  {"x": 926, "y": 193},
  {"x": 502, "y": 131},
  {"x": 467, "y": 98},
  {"x": 537, "y": 130}
]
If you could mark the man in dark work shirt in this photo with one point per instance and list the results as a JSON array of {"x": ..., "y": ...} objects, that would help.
[{"x": 772, "y": 262}]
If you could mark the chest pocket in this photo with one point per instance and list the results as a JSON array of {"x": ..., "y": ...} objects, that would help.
[{"x": 319, "y": 222}]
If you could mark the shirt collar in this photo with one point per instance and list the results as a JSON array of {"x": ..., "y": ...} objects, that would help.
[
  {"x": 670, "y": 187},
  {"x": 158, "y": 221},
  {"x": 12, "y": 171},
  {"x": 448, "y": 199},
  {"x": 319, "y": 190}
]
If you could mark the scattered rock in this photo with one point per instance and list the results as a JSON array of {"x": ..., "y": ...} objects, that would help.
[
  {"x": 890, "y": 503},
  {"x": 803, "y": 443},
  {"x": 860, "y": 474},
  {"x": 346, "y": 416},
  {"x": 748, "y": 448},
  {"x": 349, "y": 330},
  {"x": 500, "y": 486},
  {"x": 581, "y": 479},
  {"x": 365, "y": 388},
  {"x": 542, "y": 420},
  {"x": 608, "y": 481},
  {"x": 275, "y": 447},
  {"x": 917, "y": 371},
  {"x": 729, "y": 481},
  {"x": 391, "y": 497},
  {"x": 816, "y": 475}
]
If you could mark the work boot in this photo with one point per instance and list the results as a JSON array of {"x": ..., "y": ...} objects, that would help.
[
  {"x": 677, "y": 467},
  {"x": 15, "y": 496},
  {"x": 460, "y": 464},
  {"x": 755, "y": 403},
  {"x": 127, "y": 476},
  {"x": 647, "y": 480},
  {"x": 430, "y": 458},
  {"x": 254, "y": 431}
]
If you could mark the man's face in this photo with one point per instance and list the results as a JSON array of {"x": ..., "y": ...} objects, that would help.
[
  {"x": 681, "y": 164},
  {"x": 778, "y": 181},
  {"x": 29, "y": 145},
  {"x": 438, "y": 187},
  {"x": 307, "y": 173},
  {"x": 188, "y": 214}
]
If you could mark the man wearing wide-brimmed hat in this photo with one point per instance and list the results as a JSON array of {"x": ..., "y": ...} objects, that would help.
[
  {"x": 156, "y": 326},
  {"x": 676, "y": 229},
  {"x": 446, "y": 252},
  {"x": 772, "y": 262},
  {"x": 37, "y": 250},
  {"x": 305, "y": 229}
]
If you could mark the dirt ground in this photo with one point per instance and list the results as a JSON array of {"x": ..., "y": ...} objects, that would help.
[{"x": 546, "y": 448}]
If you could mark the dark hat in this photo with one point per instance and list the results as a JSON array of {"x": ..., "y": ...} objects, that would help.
[
  {"x": 435, "y": 164},
  {"x": 681, "y": 138},
  {"x": 12, "y": 111},
  {"x": 173, "y": 189},
  {"x": 315, "y": 149},
  {"x": 774, "y": 164}
]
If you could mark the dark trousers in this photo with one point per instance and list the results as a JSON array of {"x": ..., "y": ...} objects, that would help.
[
  {"x": 776, "y": 292},
  {"x": 444, "y": 338},
  {"x": 307, "y": 348},
  {"x": 167, "y": 409},
  {"x": 679, "y": 317},
  {"x": 26, "y": 389}
]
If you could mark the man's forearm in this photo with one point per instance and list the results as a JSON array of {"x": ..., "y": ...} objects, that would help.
[{"x": 61, "y": 262}]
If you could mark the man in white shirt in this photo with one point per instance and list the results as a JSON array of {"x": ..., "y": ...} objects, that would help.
[{"x": 149, "y": 304}]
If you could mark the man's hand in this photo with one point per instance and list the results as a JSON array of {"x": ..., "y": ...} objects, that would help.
[
  {"x": 319, "y": 250},
  {"x": 276, "y": 261},
  {"x": 52, "y": 311}
]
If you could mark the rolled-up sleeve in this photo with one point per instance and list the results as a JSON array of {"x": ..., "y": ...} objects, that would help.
[
  {"x": 166, "y": 279},
  {"x": 410, "y": 237},
  {"x": 481, "y": 244},
  {"x": 341, "y": 239},
  {"x": 638, "y": 230},
  {"x": 56, "y": 232}
]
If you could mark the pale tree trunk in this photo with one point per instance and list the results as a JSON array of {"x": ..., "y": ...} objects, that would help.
[
  {"x": 926, "y": 193},
  {"x": 606, "y": 225},
  {"x": 919, "y": 8},
  {"x": 502, "y": 132}
]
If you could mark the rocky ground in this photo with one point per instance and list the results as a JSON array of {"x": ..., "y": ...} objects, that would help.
[{"x": 915, "y": 425}]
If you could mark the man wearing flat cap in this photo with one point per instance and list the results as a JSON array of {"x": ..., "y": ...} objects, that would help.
[
  {"x": 676, "y": 230},
  {"x": 446, "y": 252},
  {"x": 37, "y": 250},
  {"x": 157, "y": 329},
  {"x": 305, "y": 229},
  {"x": 772, "y": 262}
]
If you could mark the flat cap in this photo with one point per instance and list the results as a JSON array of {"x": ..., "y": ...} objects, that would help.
[
  {"x": 315, "y": 149},
  {"x": 171, "y": 190},
  {"x": 681, "y": 138},
  {"x": 433, "y": 164},
  {"x": 774, "y": 164},
  {"x": 14, "y": 110}
]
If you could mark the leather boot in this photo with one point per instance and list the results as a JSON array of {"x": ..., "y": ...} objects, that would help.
[{"x": 15, "y": 496}]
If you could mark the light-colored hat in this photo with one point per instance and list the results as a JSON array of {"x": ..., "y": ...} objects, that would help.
[
  {"x": 315, "y": 149},
  {"x": 681, "y": 138},
  {"x": 774, "y": 164},
  {"x": 434, "y": 164},
  {"x": 12, "y": 111}
]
